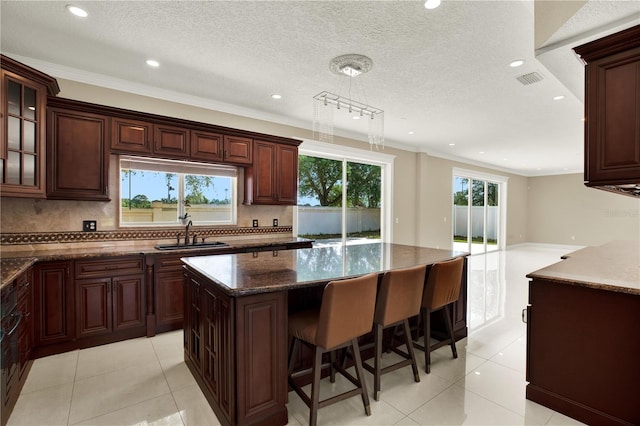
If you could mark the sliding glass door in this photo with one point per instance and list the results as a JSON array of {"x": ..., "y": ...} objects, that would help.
[
  {"x": 477, "y": 214},
  {"x": 339, "y": 200}
]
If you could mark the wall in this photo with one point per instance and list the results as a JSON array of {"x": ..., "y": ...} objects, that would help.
[
  {"x": 435, "y": 200},
  {"x": 564, "y": 211}
]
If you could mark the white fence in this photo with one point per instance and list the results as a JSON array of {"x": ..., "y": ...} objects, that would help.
[
  {"x": 328, "y": 220},
  {"x": 477, "y": 213}
]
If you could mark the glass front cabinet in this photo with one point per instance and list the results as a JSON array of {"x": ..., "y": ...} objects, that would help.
[{"x": 22, "y": 132}]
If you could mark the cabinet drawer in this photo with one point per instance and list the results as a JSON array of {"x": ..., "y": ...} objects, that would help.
[
  {"x": 168, "y": 262},
  {"x": 109, "y": 267}
]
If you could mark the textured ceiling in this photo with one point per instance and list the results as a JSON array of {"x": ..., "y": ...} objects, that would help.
[{"x": 443, "y": 74}]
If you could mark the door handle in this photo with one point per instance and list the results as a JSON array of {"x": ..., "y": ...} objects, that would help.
[{"x": 524, "y": 315}]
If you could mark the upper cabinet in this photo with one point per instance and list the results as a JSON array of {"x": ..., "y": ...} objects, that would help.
[
  {"x": 612, "y": 111},
  {"x": 77, "y": 152},
  {"x": 216, "y": 147},
  {"x": 131, "y": 136},
  {"x": 273, "y": 179},
  {"x": 22, "y": 129}
]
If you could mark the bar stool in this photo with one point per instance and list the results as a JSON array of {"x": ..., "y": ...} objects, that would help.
[
  {"x": 441, "y": 289},
  {"x": 346, "y": 312},
  {"x": 399, "y": 298}
]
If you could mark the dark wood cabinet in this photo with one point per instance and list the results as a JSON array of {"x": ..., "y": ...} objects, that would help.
[
  {"x": 583, "y": 350},
  {"x": 207, "y": 146},
  {"x": 169, "y": 303},
  {"x": 17, "y": 327},
  {"x": 273, "y": 178},
  {"x": 22, "y": 129},
  {"x": 130, "y": 136},
  {"x": 110, "y": 296},
  {"x": 238, "y": 150},
  {"x": 53, "y": 301},
  {"x": 612, "y": 102},
  {"x": 171, "y": 141},
  {"x": 213, "y": 351},
  {"x": 77, "y": 153}
]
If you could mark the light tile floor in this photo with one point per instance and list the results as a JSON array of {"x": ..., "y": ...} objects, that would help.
[{"x": 145, "y": 381}]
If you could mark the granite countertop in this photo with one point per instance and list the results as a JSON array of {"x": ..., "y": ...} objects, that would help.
[
  {"x": 249, "y": 273},
  {"x": 16, "y": 261},
  {"x": 614, "y": 266}
]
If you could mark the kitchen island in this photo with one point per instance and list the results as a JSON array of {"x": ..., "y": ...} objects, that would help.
[
  {"x": 236, "y": 308},
  {"x": 583, "y": 335}
]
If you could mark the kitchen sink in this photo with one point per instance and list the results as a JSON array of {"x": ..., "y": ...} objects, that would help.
[{"x": 202, "y": 245}]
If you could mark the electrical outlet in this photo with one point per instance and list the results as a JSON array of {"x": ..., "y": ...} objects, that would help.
[
  {"x": 255, "y": 223},
  {"x": 275, "y": 222},
  {"x": 89, "y": 226}
]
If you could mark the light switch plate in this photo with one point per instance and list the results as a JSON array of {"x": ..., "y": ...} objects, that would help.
[
  {"x": 275, "y": 222},
  {"x": 255, "y": 223},
  {"x": 89, "y": 226}
]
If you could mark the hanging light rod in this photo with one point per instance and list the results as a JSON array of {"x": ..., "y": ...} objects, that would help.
[{"x": 341, "y": 102}]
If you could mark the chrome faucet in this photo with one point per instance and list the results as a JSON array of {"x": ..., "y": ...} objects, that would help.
[{"x": 186, "y": 233}]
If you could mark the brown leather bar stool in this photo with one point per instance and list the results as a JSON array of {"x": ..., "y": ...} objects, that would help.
[
  {"x": 441, "y": 289},
  {"x": 399, "y": 298},
  {"x": 346, "y": 312}
]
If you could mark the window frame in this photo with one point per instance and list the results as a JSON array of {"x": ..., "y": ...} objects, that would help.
[
  {"x": 347, "y": 154},
  {"x": 181, "y": 169}
]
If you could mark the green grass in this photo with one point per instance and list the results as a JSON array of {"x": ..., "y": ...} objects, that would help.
[
  {"x": 365, "y": 234},
  {"x": 461, "y": 239}
]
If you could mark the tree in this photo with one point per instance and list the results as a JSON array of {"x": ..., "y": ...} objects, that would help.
[
  {"x": 320, "y": 178},
  {"x": 363, "y": 185},
  {"x": 195, "y": 185}
]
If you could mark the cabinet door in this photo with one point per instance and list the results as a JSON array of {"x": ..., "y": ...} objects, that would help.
[
  {"x": 287, "y": 169},
  {"x": 169, "y": 300},
  {"x": 612, "y": 128},
  {"x": 129, "y": 136},
  {"x": 206, "y": 146},
  {"x": 25, "y": 333},
  {"x": 53, "y": 303},
  {"x": 192, "y": 324},
  {"x": 78, "y": 159},
  {"x": 238, "y": 150},
  {"x": 264, "y": 173},
  {"x": 22, "y": 137},
  {"x": 171, "y": 141},
  {"x": 128, "y": 302},
  {"x": 93, "y": 306}
]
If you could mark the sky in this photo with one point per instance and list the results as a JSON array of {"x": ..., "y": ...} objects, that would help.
[{"x": 154, "y": 186}]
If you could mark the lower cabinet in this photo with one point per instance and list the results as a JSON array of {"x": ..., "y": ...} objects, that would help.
[
  {"x": 17, "y": 329},
  {"x": 209, "y": 342},
  {"x": 53, "y": 300},
  {"x": 107, "y": 305},
  {"x": 236, "y": 348},
  {"x": 111, "y": 297},
  {"x": 169, "y": 304}
]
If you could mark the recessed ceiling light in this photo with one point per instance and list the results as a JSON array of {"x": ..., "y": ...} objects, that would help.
[
  {"x": 559, "y": 97},
  {"x": 452, "y": 144},
  {"x": 431, "y": 4},
  {"x": 276, "y": 96},
  {"x": 77, "y": 11},
  {"x": 505, "y": 159},
  {"x": 411, "y": 132},
  {"x": 481, "y": 152},
  {"x": 356, "y": 117},
  {"x": 516, "y": 63},
  {"x": 153, "y": 63}
]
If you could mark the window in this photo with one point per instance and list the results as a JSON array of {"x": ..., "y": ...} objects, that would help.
[
  {"x": 343, "y": 194},
  {"x": 155, "y": 192}
]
